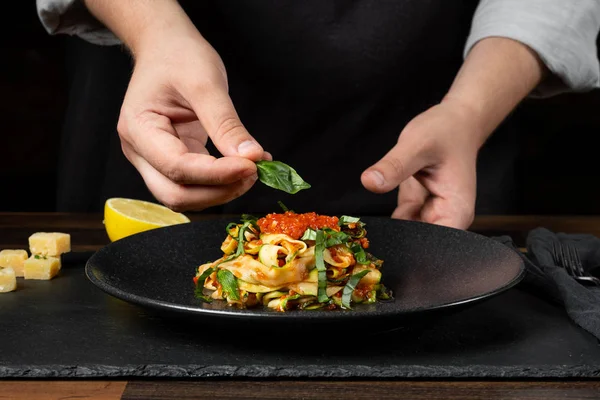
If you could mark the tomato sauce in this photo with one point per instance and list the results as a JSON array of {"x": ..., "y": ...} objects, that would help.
[{"x": 294, "y": 225}]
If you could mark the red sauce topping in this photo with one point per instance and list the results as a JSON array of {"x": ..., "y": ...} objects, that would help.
[{"x": 294, "y": 225}]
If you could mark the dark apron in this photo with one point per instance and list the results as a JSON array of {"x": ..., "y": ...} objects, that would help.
[{"x": 325, "y": 86}]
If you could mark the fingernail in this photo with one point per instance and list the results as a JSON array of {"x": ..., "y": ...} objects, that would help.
[
  {"x": 249, "y": 174},
  {"x": 253, "y": 177},
  {"x": 248, "y": 147},
  {"x": 377, "y": 177}
]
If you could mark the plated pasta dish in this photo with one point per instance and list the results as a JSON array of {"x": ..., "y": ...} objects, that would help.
[{"x": 288, "y": 261}]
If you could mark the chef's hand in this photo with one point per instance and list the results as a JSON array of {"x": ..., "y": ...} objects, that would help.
[
  {"x": 176, "y": 100},
  {"x": 433, "y": 164},
  {"x": 434, "y": 161}
]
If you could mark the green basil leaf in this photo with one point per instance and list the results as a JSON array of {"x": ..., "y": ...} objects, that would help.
[
  {"x": 322, "y": 276},
  {"x": 331, "y": 237},
  {"x": 360, "y": 254},
  {"x": 201, "y": 296},
  {"x": 280, "y": 176},
  {"x": 283, "y": 206},
  {"x": 240, "y": 239},
  {"x": 198, "y": 292},
  {"x": 248, "y": 217},
  {"x": 252, "y": 219},
  {"x": 345, "y": 220},
  {"x": 205, "y": 275},
  {"x": 337, "y": 280},
  {"x": 229, "y": 283},
  {"x": 350, "y": 286},
  {"x": 334, "y": 238},
  {"x": 309, "y": 234}
]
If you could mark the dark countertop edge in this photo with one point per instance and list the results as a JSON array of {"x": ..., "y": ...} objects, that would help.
[{"x": 303, "y": 372}]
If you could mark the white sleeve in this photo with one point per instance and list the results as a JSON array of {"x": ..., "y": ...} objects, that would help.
[
  {"x": 72, "y": 17},
  {"x": 562, "y": 32}
]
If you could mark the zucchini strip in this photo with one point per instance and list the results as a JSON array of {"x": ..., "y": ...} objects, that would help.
[{"x": 319, "y": 249}]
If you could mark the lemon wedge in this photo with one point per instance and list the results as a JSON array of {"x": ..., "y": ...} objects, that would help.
[{"x": 125, "y": 217}]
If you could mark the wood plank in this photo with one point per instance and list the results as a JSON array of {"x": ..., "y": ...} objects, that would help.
[
  {"x": 425, "y": 390},
  {"x": 518, "y": 226},
  {"x": 523, "y": 223},
  {"x": 54, "y": 390}
]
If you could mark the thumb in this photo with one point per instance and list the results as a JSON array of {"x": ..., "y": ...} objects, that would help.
[
  {"x": 404, "y": 160},
  {"x": 218, "y": 116}
]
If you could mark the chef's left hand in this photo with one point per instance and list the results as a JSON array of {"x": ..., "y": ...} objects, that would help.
[
  {"x": 435, "y": 158},
  {"x": 434, "y": 166}
]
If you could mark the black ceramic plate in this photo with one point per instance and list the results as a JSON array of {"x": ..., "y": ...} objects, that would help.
[{"x": 428, "y": 268}]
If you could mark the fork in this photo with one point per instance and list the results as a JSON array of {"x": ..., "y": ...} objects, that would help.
[{"x": 566, "y": 255}]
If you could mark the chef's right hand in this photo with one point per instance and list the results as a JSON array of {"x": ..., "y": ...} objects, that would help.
[{"x": 178, "y": 98}]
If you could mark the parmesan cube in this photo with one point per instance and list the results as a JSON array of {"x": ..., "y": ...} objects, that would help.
[
  {"x": 41, "y": 267},
  {"x": 49, "y": 243},
  {"x": 8, "y": 280},
  {"x": 13, "y": 259}
]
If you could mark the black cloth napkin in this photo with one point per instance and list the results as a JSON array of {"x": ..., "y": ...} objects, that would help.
[{"x": 546, "y": 279}]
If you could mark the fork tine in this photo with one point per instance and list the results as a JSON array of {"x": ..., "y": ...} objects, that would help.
[
  {"x": 555, "y": 254},
  {"x": 581, "y": 270},
  {"x": 571, "y": 260},
  {"x": 576, "y": 260},
  {"x": 576, "y": 266},
  {"x": 566, "y": 260}
]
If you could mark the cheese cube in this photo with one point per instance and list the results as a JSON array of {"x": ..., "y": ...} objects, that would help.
[
  {"x": 41, "y": 267},
  {"x": 49, "y": 243},
  {"x": 8, "y": 280},
  {"x": 13, "y": 259}
]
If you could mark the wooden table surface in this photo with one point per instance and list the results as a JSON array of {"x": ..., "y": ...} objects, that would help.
[{"x": 87, "y": 233}]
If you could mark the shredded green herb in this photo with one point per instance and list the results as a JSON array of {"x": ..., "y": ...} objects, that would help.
[
  {"x": 240, "y": 239},
  {"x": 330, "y": 236},
  {"x": 360, "y": 254},
  {"x": 320, "y": 263},
  {"x": 350, "y": 286},
  {"x": 345, "y": 220},
  {"x": 334, "y": 238},
  {"x": 229, "y": 283},
  {"x": 239, "y": 251},
  {"x": 200, "y": 285},
  {"x": 250, "y": 218},
  {"x": 309, "y": 234},
  {"x": 283, "y": 206}
]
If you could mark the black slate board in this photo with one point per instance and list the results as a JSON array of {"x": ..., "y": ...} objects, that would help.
[{"x": 67, "y": 328}]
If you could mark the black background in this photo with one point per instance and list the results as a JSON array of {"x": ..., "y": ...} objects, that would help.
[{"x": 558, "y": 172}]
